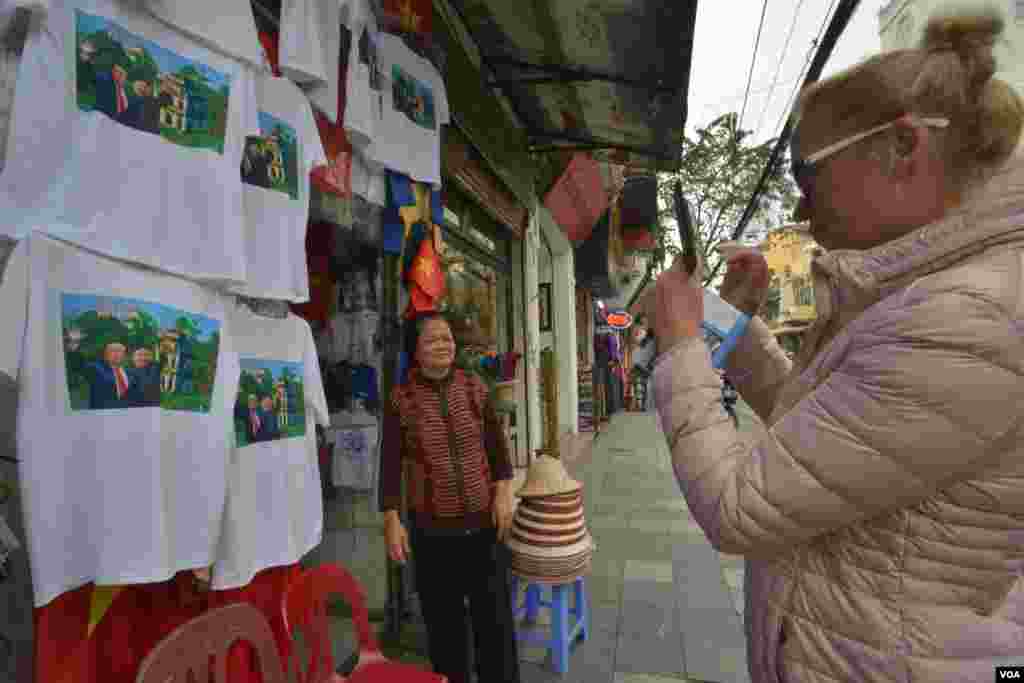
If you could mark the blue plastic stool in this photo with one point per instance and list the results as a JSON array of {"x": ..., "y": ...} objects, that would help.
[{"x": 564, "y": 631}]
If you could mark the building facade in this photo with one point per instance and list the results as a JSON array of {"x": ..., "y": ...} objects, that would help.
[{"x": 789, "y": 252}]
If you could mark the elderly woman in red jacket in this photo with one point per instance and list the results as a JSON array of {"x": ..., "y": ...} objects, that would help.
[
  {"x": 442, "y": 429},
  {"x": 881, "y": 512}
]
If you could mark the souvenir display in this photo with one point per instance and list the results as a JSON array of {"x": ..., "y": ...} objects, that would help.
[
  {"x": 126, "y": 139},
  {"x": 414, "y": 107},
  {"x": 274, "y": 513},
  {"x": 363, "y": 78},
  {"x": 126, "y": 378},
  {"x": 311, "y": 51},
  {"x": 549, "y": 541},
  {"x": 275, "y": 171},
  {"x": 230, "y": 30}
]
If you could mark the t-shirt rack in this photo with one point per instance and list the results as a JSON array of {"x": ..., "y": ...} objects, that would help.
[{"x": 165, "y": 393}]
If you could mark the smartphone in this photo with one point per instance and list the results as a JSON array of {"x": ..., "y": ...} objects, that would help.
[{"x": 687, "y": 230}]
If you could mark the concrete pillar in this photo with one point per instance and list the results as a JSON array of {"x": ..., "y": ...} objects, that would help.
[
  {"x": 531, "y": 249},
  {"x": 563, "y": 315}
]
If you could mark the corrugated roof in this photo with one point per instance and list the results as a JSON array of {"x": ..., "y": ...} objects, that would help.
[{"x": 604, "y": 75}]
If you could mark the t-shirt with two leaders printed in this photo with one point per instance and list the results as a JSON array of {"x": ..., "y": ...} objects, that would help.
[
  {"x": 275, "y": 173},
  {"x": 126, "y": 139},
  {"x": 274, "y": 511},
  {"x": 407, "y": 139},
  {"x": 126, "y": 382}
]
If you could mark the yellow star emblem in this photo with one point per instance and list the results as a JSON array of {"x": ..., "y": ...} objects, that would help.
[
  {"x": 410, "y": 20},
  {"x": 425, "y": 268}
]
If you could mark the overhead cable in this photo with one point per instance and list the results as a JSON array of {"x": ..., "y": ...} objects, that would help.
[
  {"x": 844, "y": 12},
  {"x": 753, "y": 61},
  {"x": 778, "y": 68}
]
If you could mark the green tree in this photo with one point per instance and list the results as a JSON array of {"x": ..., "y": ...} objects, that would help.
[
  {"x": 143, "y": 331},
  {"x": 187, "y": 327},
  {"x": 720, "y": 169}
]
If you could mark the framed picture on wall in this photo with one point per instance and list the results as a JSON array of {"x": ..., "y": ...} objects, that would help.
[{"x": 545, "y": 307}]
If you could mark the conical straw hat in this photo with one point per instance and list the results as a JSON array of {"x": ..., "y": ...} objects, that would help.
[{"x": 547, "y": 477}]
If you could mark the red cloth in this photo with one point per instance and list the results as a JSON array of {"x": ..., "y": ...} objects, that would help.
[
  {"x": 60, "y": 628},
  {"x": 578, "y": 198},
  {"x": 426, "y": 270},
  {"x": 319, "y": 247},
  {"x": 419, "y": 302},
  {"x": 638, "y": 240},
  {"x": 270, "y": 42},
  {"x": 139, "y": 618},
  {"x": 336, "y": 176},
  {"x": 409, "y": 16}
]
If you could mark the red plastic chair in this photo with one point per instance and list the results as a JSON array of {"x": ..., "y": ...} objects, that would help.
[
  {"x": 305, "y": 607},
  {"x": 188, "y": 652}
]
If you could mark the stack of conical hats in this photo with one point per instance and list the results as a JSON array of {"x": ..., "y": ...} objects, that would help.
[{"x": 549, "y": 541}]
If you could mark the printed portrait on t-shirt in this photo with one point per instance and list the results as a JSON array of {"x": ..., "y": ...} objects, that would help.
[
  {"x": 368, "y": 56},
  {"x": 144, "y": 86},
  {"x": 412, "y": 98},
  {"x": 270, "y": 403},
  {"x": 271, "y": 159},
  {"x": 126, "y": 353}
]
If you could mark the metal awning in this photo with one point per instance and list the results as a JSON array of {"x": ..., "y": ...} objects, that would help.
[{"x": 604, "y": 75}]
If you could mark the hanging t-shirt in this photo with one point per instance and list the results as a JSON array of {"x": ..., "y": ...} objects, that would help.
[
  {"x": 230, "y": 28},
  {"x": 274, "y": 513},
  {"x": 126, "y": 139},
  {"x": 304, "y": 57},
  {"x": 327, "y": 16},
  {"x": 362, "y": 80},
  {"x": 275, "y": 171},
  {"x": 355, "y": 457},
  {"x": 364, "y": 385},
  {"x": 369, "y": 180},
  {"x": 126, "y": 380},
  {"x": 413, "y": 109}
]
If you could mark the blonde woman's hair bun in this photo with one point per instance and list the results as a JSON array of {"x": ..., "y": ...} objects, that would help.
[{"x": 970, "y": 32}]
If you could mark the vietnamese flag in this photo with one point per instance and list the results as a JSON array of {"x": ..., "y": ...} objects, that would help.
[
  {"x": 409, "y": 16},
  {"x": 419, "y": 302},
  {"x": 426, "y": 271}
]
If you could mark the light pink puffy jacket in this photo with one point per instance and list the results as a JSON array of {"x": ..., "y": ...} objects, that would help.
[{"x": 881, "y": 513}]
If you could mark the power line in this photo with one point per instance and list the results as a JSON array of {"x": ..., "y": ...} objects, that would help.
[
  {"x": 786, "y": 113},
  {"x": 753, "y": 61},
  {"x": 778, "y": 68},
  {"x": 824, "y": 48}
]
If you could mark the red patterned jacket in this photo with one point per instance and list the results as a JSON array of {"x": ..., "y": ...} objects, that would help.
[{"x": 449, "y": 440}]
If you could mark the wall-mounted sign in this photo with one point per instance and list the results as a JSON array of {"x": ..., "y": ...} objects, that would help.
[{"x": 620, "y": 320}]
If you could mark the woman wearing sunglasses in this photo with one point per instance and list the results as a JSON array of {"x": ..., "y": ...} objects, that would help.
[{"x": 881, "y": 512}]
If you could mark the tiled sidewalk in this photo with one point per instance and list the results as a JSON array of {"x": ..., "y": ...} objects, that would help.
[
  {"x": 665, "y": 606},
  {"x": 661, "y": 608}
]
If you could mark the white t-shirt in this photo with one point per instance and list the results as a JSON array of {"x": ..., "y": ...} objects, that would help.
[
  {"x": 369, "y": 180},
  {"x": 355, "y": 457},
  {"x": 275, "y": 173},
  {"x": 414, "y": 107},
  {"x": 274, "y": 513},
  {"x": 148, "y": 179},
  {"x": 123, "y": 463},
  {"x": 228, "y": 27},
  {"x": 362, "y": 81},
  {"x": 301, "y": 55},
  {"x": 327, "y": 17}
]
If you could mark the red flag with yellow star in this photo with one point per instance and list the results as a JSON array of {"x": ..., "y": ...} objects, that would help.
[
  {"x": 426, "y": 271},
  {"x": 409, "y": 16}
]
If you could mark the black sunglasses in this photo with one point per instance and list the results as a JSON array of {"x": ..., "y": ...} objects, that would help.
[{"x": 803, "y": 172}]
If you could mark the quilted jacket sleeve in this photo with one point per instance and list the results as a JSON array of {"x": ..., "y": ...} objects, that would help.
[
  {"x": 758, "y": 367},
  {"x": 916, "y": 394}
]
